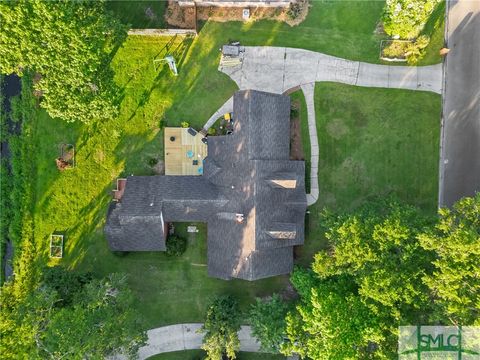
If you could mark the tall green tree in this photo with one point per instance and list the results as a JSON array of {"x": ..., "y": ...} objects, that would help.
[
  {"x": 332, "y": 322},
  {"x": 68, "y": 45},
  {"x": 267, "y": 318},
  {"x": 455, "y": 280},
  {"x": 99, "y": 322},
  {"x": 378, "y": 247},
  {"x": 221, "y": 328}
]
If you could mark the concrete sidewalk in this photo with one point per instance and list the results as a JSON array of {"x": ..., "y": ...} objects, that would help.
[
  {"x": 308, "y": 92},
  {"x": 181, "y": 337}
]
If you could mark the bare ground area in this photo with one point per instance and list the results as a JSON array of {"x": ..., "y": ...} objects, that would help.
[
  {"x": 184, "y": 17},
  {"x": 296, "y": 145}
]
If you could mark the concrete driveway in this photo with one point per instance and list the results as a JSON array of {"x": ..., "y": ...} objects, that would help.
[
  {"x": 277, "y": 69},
  {"x": 460, "y": 140}
]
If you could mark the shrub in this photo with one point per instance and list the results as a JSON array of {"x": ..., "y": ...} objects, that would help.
[
  {"x": 406, "y": 18},
  {"x": 294, "y": 10},
  {"x": 184, "y": 124},
  {"x": 416, "y": 50},
  {"x": 120, "y": 254},
  {"x": 152, "y": 161},
  {"x": 294, "y": 113},
  {"x": 211, "y": 131},
  {"x": 66, "y": 283},
  {"x": 176, "y": 245}
]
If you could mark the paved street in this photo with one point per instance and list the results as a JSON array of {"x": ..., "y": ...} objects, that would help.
[{"x": 460, "y": 153}]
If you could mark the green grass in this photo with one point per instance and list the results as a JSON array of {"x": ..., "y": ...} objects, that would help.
[
  {"x": 199, "y": 355},
  {"x": 373, "y": 142},
  {"x": 340, "y": 28},
  {"x": 435, "y": 28},
  {"x": 134, "y": 13}
]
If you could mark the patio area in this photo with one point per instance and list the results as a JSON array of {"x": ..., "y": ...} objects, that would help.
[{"x": 184, "y": 151}]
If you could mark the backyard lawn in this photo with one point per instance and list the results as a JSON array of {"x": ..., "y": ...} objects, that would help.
[
  {"x": 374, "y": 141},
  {"x": 75, "y": 201}
]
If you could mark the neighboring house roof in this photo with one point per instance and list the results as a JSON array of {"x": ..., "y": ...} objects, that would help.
[{"x": 251, "y": 195}]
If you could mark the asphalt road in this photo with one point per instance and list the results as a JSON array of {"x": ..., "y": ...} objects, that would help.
[{"x": 460, "y": 147}]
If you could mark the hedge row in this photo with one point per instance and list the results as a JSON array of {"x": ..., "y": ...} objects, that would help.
[{"x": 16, "y": 219}]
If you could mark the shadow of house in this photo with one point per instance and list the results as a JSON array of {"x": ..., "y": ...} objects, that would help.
[{"x": 250, "y": 194}]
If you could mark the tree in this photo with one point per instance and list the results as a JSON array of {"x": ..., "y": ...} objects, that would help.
[
  {"x": 176, "y": 245},
  {"x": 221, "y": 328},
  {"x": 406, "y": 18},
  {"x": 387, "y": 265},
  {"x": 331, "y": 322},
  {"x": 99, "y": 322},
  {"x": 68, "y": 45},
  {"x": 66, "y": 283},
  {"x": 267, "y": 318},
  {"x": 455, "y": 280},
  {"x": 378, "y": 247}
]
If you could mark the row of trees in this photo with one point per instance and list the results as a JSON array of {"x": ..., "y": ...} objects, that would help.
[
  {"x": 68, "y": 45},
  {"x": 69, "y": 315},
  {"x": 388, "y": 265}
]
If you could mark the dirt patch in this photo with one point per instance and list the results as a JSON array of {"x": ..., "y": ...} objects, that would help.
[
  {"x": 337, "y": 128},
  {"x": 180, "y": 16},
  {"x": 184, "y": 16},
  {"x": 296, "y": 145}
]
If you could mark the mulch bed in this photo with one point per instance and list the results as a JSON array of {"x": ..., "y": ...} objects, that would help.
[
  {"x": 296, "y": 145},
  {"x": 184, "y": 16}
]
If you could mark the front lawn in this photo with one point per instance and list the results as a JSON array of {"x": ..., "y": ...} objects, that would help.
[
  {"x": 376, "y": 142},
  {"x": 373, "y": 142}
]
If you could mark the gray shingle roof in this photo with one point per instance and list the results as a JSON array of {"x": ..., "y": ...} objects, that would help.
[{"x": 241, "y": 176}]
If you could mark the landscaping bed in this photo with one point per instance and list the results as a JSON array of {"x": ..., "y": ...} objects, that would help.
[
  {"x": 185, "y": 16},
  {"x": 300, "y": 137},
  {"x": 394, "y": 50}
]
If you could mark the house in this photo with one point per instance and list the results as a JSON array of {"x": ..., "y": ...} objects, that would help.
[{"x": 250, "y": 194}]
